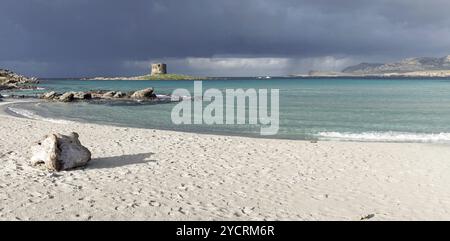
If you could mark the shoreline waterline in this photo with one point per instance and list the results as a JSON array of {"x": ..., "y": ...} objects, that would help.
[
  {"x": 12, "y": 107},
  {"x": 7, "y": 110}
]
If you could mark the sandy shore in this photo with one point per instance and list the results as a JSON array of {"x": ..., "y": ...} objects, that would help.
[{"x": 140, "y": 174}]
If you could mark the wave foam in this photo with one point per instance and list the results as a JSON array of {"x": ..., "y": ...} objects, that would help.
[
  {"x": 31, "y": 115},
  {"x": 386, "y": 136}
]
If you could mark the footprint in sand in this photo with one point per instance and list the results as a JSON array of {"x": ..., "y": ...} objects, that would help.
[
  {"x": 182, "y": 211},
  {"x": 154, "y": 204},
  {"x": 247, "y": 210}
]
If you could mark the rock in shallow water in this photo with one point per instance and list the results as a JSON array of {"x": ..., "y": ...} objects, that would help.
[
  {"x": 82, "y": 96},
  {"x": 60, "y": 152},
  {"x": 49, "y": 95},
  {"x": 120, "y": 95},
  {"x": 67, "y": 97},
  {"x": 143, "y": 94},
  {"x": 108, "y": 95}
]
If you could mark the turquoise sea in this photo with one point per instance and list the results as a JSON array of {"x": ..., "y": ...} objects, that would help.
[{"x": 405, "y": 110}]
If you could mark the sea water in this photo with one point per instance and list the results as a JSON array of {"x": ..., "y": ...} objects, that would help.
[{"x": 405, "y": 110}]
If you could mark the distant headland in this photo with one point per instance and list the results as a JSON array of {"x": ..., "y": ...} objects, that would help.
[
  {"x": 411, "y": 67},
  {"x": 158, "y": 72}
]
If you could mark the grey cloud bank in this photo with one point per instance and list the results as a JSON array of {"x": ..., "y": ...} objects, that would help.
[{"x": 103, "y": 37}]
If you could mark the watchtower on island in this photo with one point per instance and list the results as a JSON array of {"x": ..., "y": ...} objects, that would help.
[{"x": 159, "y": 68}]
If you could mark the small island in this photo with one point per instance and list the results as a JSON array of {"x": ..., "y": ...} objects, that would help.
[{"x": 158, "y": 72}]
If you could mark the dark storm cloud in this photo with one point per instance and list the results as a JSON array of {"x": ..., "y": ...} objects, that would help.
[{"x": 78, "y": 37}]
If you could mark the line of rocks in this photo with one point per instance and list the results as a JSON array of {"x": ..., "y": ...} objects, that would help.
[{"x": 145, "y": 94}]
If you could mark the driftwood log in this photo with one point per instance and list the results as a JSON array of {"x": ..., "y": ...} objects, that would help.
[{"x": 60, "y": 152}]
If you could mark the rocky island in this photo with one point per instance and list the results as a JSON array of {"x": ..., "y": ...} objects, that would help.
[
  {"x": 158, "y": 72},
  {"x": 151, "y": 77}
]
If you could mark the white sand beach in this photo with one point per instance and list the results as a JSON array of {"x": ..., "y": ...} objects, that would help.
[{"x": 143, "y": 174}]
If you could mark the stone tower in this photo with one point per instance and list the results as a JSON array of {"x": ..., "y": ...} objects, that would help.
[{"x": 159, "y": 68}]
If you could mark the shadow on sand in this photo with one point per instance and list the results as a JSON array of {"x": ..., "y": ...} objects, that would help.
[{"x": 119, "y": 161}]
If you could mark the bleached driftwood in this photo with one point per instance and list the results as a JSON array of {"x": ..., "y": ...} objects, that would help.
[{"x": 60, "y": 152}]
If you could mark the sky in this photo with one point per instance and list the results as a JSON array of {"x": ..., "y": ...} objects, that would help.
[{"x": 76, "y": 38}]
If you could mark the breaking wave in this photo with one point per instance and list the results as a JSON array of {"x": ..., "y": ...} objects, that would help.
[
  {"x": 386, "y": 136},
  {"x": 31, "y": 115}
]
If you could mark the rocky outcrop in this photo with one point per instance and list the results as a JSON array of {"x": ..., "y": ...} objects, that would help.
[
  {"x": 82, "y": 96},
  {"x": 108, "y": 95},
  {"x": 143, "y": 94},
  {"x": 60, "y": 152},
  {"x": 119, "y": 95},
  {"x": 97, "y": 94},
  {"x": 11, "y": 80},
  {"x": 49, "y": 95},
  {"x": 67, "y": 97}
]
